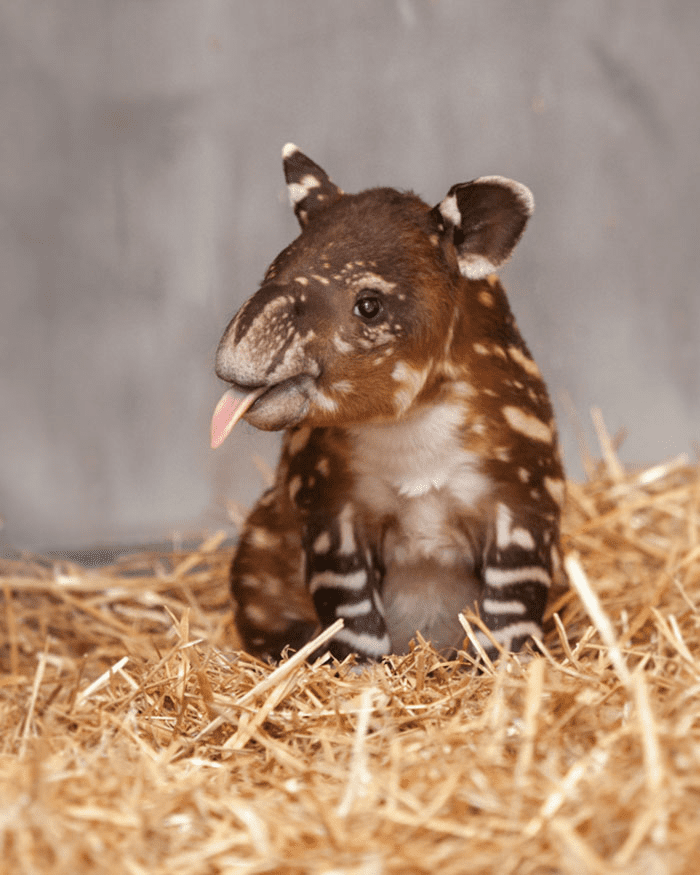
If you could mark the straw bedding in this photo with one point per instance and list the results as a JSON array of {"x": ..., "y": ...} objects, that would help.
[{"x": 137, "y": 739}]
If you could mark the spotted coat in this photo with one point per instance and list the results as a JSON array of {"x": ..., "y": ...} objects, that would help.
[{"x": 419, "y": 473}]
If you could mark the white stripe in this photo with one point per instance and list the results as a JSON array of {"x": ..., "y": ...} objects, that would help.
[
  {"x": 507, "y": 534},
  {"x": 495, "y": 607},
  {"x": 356, "y": 609},
  {"x": 505, "y": 576},
  {"x": 347, "y": 531},
  {"x": 504, "y": 518},
  {"x": 332, "y": 580},
  {"x": 364, "y": 643}
]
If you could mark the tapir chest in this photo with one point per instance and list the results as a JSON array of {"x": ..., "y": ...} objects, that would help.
[{"x": 417, "y": 483}]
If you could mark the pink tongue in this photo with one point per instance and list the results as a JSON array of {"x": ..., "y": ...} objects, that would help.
[{"x": 227, "y": 413}]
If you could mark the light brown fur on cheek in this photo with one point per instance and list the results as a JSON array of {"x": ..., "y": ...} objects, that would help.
[{"x": 357, "y": 388}]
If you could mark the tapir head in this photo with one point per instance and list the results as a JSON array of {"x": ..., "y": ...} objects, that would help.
[{"x": 354, "y": 316}]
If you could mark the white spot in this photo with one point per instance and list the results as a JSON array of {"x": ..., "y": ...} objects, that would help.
[
  {"x": 299, "y": 440},
  {"x": 507, "y": 576},
  {"x": 358, "y": 609},
  {"x": 342, "y": 345},
  {"x": 288, "y": 150},
  {"x": 271, "y": 585},
  {"x": 524, "y": 475},
  {"x": 375, "y": 335},
  {"x": 556, "y": 489},
  {"x": 493, "y": 606},
  {"x": 294, "y": 486},
  {"x": 300, "y": 190},
  {"x": 480, "y": 349},
  {"x": 302, "y": 280},
  {"x": 262, "y": 538},
  {"x": 354, "y": 582},
  {"x": 322, "y": 544},
  {"x": 321, "y": 279},
  {"x": 411, "y": 381},
  {"x": 291, "y": 614},
  {"x": 486, "y": 298},
  {"x": 325, "y": 402},
  {"x": 267, "y": 499},
  {"x": 463, "y": 389},
  {"x": 323, "y": 466},
  {"x": 525, "y": 363},
  {"x": 527, "y": 424},
  {"x": 256, "y": 614}
]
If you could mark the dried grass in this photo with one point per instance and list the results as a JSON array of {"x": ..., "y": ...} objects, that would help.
[{"x": 137, "y": 739}]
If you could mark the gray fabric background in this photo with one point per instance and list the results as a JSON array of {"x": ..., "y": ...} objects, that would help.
[{"x": 141, "y": 198}]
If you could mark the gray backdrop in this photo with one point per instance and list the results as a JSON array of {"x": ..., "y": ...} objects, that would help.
[{"x": 141, "y": 198}]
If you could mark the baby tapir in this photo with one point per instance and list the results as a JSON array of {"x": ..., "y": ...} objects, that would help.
[{"x": 419, "y": 472}]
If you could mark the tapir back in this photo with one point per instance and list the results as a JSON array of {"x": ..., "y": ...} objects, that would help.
[{"x": 419, "y": 474}]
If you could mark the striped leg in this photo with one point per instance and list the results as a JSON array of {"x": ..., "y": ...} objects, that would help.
[
  {"x": 517, "y": 573},
  {"x": 343, "y": 576}
]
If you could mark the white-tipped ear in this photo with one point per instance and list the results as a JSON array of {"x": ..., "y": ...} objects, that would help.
[
  {"x": 310, "y": 188},
  {"x": 484, "y": 219}
]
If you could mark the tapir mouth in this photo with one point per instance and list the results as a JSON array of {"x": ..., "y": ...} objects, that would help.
[{"x": 270, "y": 407}]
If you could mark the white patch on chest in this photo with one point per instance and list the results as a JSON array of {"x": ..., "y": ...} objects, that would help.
[{"x": 418, "y": 472}]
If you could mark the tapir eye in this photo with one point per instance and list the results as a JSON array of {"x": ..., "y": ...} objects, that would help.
[{"x": 368, "y": 307}]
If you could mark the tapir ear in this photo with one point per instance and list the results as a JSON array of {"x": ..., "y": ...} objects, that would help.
[
  {"x": 484, "y": 219},
  {"x": 310, "y": 188}
]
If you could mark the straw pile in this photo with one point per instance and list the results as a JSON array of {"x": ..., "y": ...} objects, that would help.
[{"x": 137, "y": 739}]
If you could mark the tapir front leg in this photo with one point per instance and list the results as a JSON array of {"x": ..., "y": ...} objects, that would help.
[
  {"x": 517, "y": 573},
  {"x": 343, "y": 577}
]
